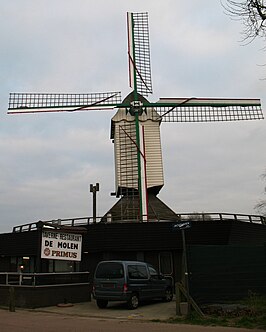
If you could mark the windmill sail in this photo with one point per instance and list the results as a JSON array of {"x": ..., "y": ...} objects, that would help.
[
  {"x": 58, "y": 102},
  {"x": 139, "y": 53},
  {"x": 140, "y": 81},
  {"x": 206, "y": 109}
]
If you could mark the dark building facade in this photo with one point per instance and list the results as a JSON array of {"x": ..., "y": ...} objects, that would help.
[{"x": 214, "y": 246}]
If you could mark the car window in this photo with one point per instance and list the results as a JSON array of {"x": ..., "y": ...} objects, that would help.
[
  {"x": 110, "y": 270},
  {"x": 153, "y": 272},
  {"x": 137, "y": 272}
]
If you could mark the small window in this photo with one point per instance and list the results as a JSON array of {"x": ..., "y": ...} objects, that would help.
[
  {"x": 137, "y": 272},
  {"x": 110, "y": 270}
]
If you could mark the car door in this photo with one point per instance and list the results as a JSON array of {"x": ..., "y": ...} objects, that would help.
[
  {"x": 139, "y": 282},
  {"x": 158, "y": 283}
]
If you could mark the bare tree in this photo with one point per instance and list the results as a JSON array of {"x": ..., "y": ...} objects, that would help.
[
  {"x": 261, "y": 205},
  {"x": 252, "y": 13}
]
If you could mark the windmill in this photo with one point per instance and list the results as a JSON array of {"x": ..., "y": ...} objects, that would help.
[{"x": 135, "y": 128}]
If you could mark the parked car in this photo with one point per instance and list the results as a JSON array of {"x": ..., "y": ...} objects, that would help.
[{"x": 129, "y": 281}]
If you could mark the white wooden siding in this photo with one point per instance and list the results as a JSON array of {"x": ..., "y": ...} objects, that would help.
[{"x": 153, "y": 151}]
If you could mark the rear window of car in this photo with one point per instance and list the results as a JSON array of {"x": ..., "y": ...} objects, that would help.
[
  {"x": 137, "y": 272},
  {"x": 110, "y": 270}
]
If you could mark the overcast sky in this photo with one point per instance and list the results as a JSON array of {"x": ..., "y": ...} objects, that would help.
[{"x": 47, "y": 161}]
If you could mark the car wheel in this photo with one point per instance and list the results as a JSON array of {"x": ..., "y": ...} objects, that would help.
[
  {"x": 102, "y": 304},
  {"x": 133, "y": 302},
  {"x": 168, "y": 295}
]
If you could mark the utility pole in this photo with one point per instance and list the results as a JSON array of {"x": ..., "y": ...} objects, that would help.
[
  {"x": 93, "y": 190},
  {"x": 181, "y": 226}
]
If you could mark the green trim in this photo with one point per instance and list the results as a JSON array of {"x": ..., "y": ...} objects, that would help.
[
  {"x": 145, "y": 105},
  {"x": 139, "y": 163},
  {"x": 199, "y": 104},
  {"x": 192, "y": 103},
  {"x": 189, "y": 104}
]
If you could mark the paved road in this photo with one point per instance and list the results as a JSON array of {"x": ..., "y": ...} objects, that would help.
[{"x": 22, "y": 320}]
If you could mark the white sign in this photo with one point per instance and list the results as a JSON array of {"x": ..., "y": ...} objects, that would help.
[{"x": 57, "y": 245}]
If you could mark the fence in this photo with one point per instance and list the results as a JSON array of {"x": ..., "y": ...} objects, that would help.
[
  {"x": 84, "y": 221},
  {"x": 43, "y": 279},
  {"x": 34, "y": 290}
]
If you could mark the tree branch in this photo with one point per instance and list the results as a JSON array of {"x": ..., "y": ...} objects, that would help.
[{"x": 252, "y": 13}]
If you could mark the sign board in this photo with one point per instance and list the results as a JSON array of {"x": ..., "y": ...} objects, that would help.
[
  {"x": 181, "y": 225},
  {"x": 63, "y": 246}
]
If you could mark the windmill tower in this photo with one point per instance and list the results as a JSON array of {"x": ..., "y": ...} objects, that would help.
[
  {"x": 131, "y": 173},
  {"x": 135, "y": 128}
]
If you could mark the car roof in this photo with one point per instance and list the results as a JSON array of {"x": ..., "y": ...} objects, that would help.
[{"x": 123, "y": 262}]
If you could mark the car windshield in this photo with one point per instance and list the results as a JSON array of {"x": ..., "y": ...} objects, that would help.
[{"x": 110, "y": 270}]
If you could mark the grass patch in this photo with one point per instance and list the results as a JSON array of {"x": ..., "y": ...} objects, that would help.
[
  {"x": 252, "y": 316},
  {"x": 252, "y": 322},
  {"x": 256, "y": 322},
  {"x": 195, "y": 319},
  {"x": 255, "y": 302}
]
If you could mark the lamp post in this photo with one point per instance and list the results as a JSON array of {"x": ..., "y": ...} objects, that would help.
[
  {"x": 182, "y": 226},
  {"x": 93, "y": 190}
]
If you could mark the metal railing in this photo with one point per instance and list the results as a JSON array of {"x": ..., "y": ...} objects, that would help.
[
  {"x": 82, "y": 221},
  {"x": 217, "y": 216},
  {"x": 195, "y": 216},
  {"x": 43, "y": 279}
]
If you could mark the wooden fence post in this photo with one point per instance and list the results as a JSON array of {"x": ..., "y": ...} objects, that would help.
[
  {"x": 178, "y": 299},
  {"x": 11, "y": 299}
]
